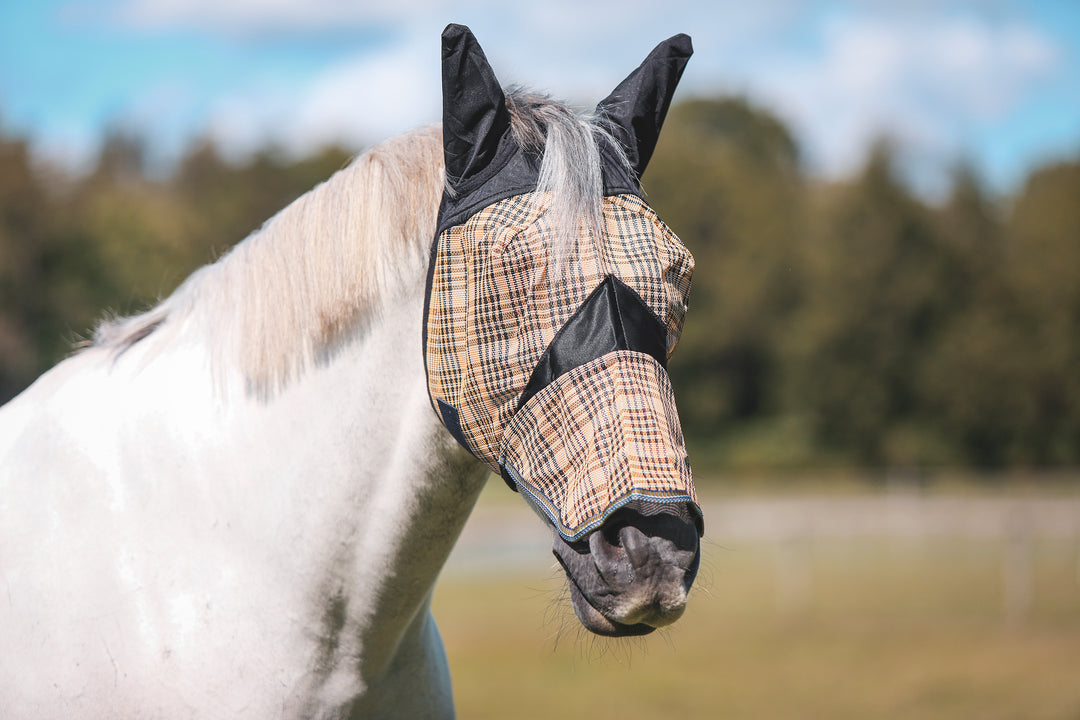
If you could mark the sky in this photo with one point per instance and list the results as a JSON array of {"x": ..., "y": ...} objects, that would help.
[{"x": 994, "y": 84}]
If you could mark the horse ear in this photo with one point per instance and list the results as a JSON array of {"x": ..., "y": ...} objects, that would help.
[
  {"x": 635, "y": 110},
  {"x": 474, "y": 108}
]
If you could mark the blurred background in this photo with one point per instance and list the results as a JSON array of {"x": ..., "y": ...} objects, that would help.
[{"x": 879, "y": 376}]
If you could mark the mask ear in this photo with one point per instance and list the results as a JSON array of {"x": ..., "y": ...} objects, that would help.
[
  {"x": 635, "y": 110},
  {"x": 474, "y": 108}
]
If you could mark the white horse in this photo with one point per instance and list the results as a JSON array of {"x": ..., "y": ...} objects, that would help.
[{"x": 237, "y": 503}]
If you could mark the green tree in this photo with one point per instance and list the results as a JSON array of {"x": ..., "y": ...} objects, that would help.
[
  {"x": 23, "y": 234},
  {"x": 877, "y": 293},
  {"x": 968, "y": 378},
  {"x": 726, "y": 177},
  {"x": 1044, "y": 244}
]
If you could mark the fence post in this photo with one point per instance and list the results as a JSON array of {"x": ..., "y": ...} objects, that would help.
[{"x": 1017, "y": 571}]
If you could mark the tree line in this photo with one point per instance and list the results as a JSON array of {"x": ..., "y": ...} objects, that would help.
[{"x": 831, "y": 323}]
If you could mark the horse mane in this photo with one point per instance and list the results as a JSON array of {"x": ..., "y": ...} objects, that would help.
[{"x": 291, "y": 293}]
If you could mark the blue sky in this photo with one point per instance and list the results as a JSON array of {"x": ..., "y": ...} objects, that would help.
[{"x": 994, "y": 82}]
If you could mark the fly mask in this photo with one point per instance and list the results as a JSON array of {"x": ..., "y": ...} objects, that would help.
[{"x": 546, "y": 355}]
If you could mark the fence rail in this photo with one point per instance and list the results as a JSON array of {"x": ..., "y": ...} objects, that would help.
[{"x": 503, "y": 536}]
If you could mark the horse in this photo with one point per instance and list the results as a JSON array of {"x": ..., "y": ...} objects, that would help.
[{"x": 237, "y": 503}]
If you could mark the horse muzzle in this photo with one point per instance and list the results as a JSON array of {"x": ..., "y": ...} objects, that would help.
[{"x": 633, "y": 574}]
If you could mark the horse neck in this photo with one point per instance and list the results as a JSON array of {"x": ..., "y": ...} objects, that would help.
[
  {"x": 343, "y": 481},
  {"x": 380, "y": 490}
]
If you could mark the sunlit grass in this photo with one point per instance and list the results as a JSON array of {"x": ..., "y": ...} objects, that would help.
[{"x": 840, "y": 629}]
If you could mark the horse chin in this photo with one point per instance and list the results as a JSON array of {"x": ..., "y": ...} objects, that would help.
[{"x": 596, "y": 622}]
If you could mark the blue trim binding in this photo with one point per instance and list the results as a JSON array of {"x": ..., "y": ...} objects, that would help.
[{"x": 549, "y": 510}]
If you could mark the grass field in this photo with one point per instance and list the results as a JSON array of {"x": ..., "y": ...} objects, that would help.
[{"x": 837, "y": 627}]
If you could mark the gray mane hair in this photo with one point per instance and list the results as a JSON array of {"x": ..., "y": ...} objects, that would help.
[
  {"x": 571, "y": 172},
  {"x": 294, "y": 291}
]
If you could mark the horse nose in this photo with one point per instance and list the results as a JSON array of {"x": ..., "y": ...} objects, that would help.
[
  {"x": 637, "y": 546},
  {"x": 646, "y": 574},
  {"x": 625, "y": 558},
  {"x": 610, "y": 561}
]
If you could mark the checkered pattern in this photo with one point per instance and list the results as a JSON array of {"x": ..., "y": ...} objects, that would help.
[
  {"x": 601, "y": 434},
  {"x": 498, "y": 296}
]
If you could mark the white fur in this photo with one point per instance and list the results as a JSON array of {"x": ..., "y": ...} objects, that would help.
[
  {"x": 174, "y": 545},
  {"x": 236, "y": 504}
]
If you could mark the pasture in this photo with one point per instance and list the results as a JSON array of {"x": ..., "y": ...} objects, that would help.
[{"x": 961, "y": 603}]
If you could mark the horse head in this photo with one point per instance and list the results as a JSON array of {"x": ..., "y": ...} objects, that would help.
[{"x": 555, "y": 296}]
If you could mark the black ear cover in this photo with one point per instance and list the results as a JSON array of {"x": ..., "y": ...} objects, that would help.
[
  {"x": 475, "y": 117},
  {"x": 636, "y": 109}
]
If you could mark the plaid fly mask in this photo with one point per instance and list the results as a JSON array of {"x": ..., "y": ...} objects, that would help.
[{"x": 549, "y": 365}]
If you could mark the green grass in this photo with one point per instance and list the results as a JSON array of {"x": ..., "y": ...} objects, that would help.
[{"x": 881, "y": 629}]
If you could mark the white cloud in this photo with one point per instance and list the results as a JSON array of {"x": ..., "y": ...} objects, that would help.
[
  {"x": 923, "y": 73},
  {"x": 378, "y": 91},
  {"x": 356, "y": 101},
  {"x": 252, "y": 17},
  {"x": 924, "y": 84}
]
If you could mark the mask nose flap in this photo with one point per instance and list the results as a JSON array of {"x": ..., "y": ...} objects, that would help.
[{"x": 613, "y": 317}]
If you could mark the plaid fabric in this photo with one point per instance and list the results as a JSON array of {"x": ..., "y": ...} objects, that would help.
[
  {"x": 498, "y": 295},
  {"x": 599, "y": 436}
]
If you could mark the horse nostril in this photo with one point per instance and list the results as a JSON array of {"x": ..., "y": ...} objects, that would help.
[
  {"x": 607, "y": 558},
  {"x": 637, "y": 546}
]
